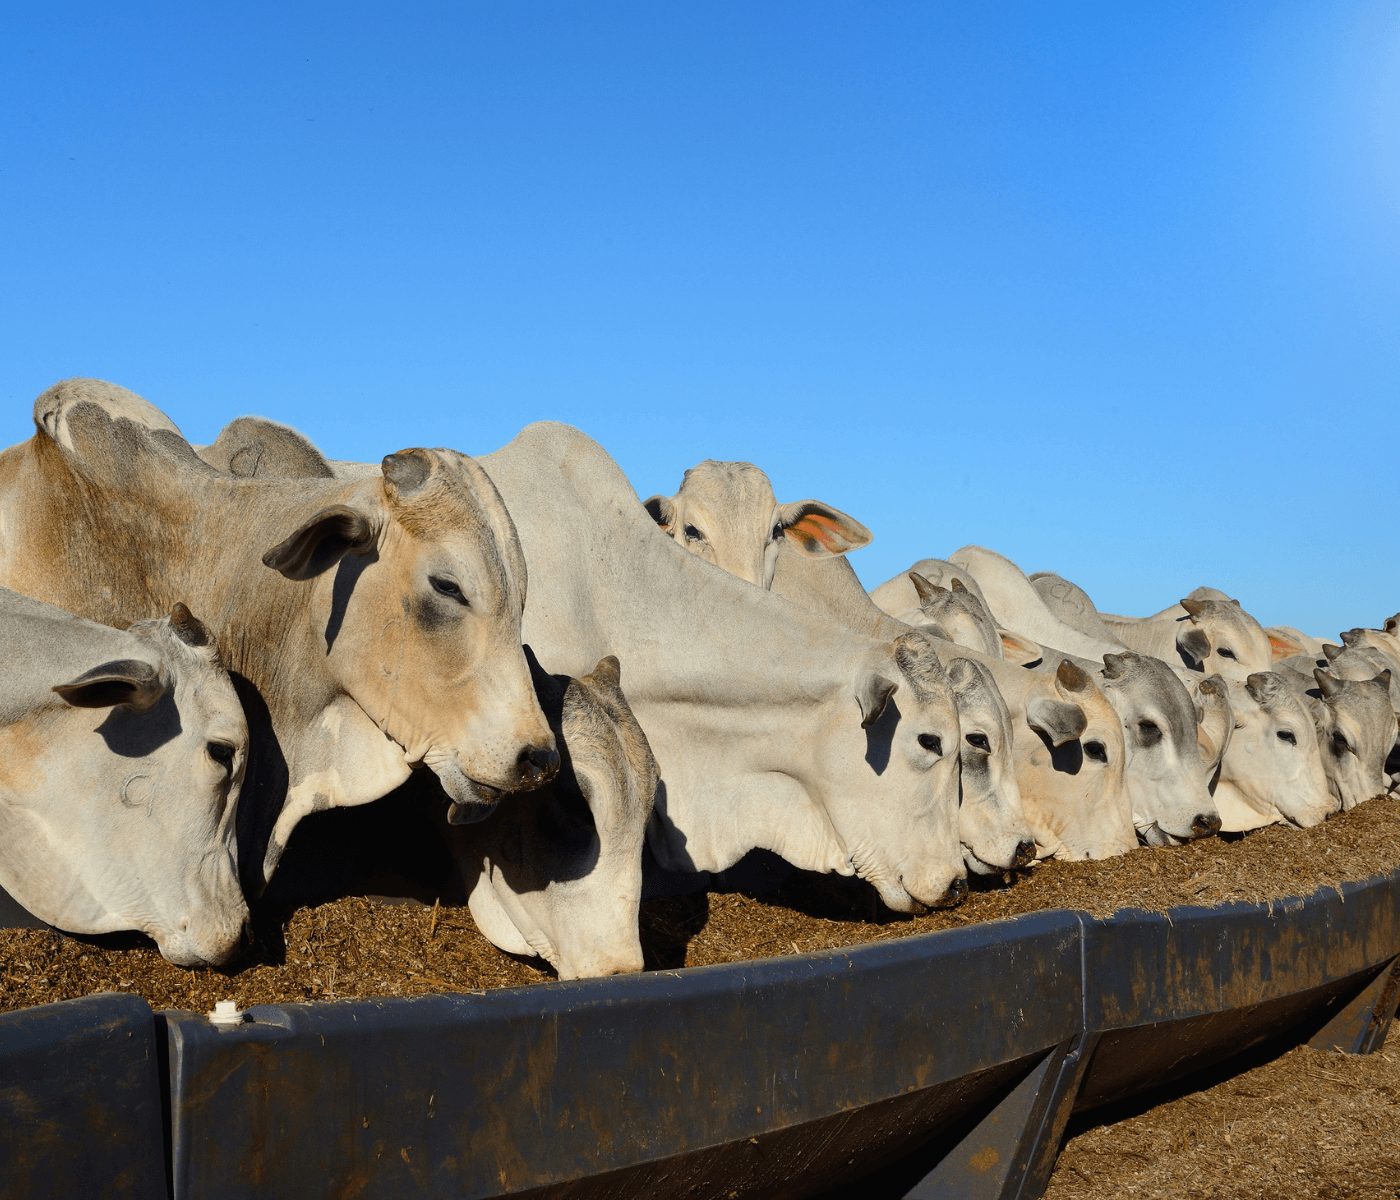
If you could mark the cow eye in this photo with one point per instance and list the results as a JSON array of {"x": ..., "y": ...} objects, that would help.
[
  {"x": 446, "y": 587},
  {"x": 222, "y": 753},
  {"x": 1287, "y": 735},
  {"x": 1149, "y": 732},
  {"x": 931, "y": 742},
  {"x": 777, "y": 533},
  {"x": 1226, "y": 652},
  {"x": 979, "y": 740},
  {"x": 1096, "y": 751},
  {"x": 694, "y": 534},
  {"x": 1340, "y": 745}
]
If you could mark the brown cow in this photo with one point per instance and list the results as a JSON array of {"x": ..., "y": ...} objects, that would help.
[{"x": 386, "y": 634}]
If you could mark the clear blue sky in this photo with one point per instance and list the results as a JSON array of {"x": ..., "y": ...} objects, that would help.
[{"x": 1111, "y": 288}]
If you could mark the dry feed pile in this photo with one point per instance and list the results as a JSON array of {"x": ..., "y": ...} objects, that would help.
[{"x": 352, "y": 947}]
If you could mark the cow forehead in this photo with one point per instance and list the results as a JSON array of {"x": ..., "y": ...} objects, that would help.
[
  {"x": 729, "y": 490},
  {"x": 1152, "y": 688},
  {"x": 458, "y": 498}
]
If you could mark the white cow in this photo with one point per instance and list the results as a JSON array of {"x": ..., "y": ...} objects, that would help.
[
  {"x": 121, "y": 759},
  {"x": 558, "y": 874},
  {"x": 773, "y": 728},
  {"x": 726, "y": 513},
  {"x": 1068, "y": 740},
  {"x": 1273, "y": 771}
]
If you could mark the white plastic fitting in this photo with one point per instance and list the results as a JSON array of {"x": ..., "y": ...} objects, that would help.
[{"x": 226, "y": 1014}]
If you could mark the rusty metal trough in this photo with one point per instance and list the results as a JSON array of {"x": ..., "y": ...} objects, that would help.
[{"x": 940, "y": 1065}]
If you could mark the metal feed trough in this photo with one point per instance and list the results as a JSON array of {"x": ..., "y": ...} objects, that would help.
[{"x": 945, "y": 1064}]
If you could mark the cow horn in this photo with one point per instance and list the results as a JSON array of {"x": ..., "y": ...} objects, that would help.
[
  {"x": 407, "y": 470},
  {"x": 1330, "y": 651},
  {"x": 1194, "y": 608},
  {"x": 957, "y": 585},
  {"x": 188, "y": 627},
  {"x": 1071, "y": 676},
  {"x": 1115, "y": 666},
  {"x": 1328, "y": 685},
  {"x": 926, "y": 588}
]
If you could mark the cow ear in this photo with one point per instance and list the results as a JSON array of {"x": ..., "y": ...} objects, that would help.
[
  {"x": 1354, "y": 638},
  {"x": 1283, "y": 645},
  {"x": 873, "y": 692},
  {"x": 1193, "y": 642},
  {"x": 817, "y": 529},
  {"x": 662, "y": 510},
  {"x": 1392, "y": 624},
  {"x": 122, "y": 681},
  {"x": 321, "y": 542},
  {"x": 1018, "y": 650},
  {"x": 1383, "y": 679},
  {"x": 1060, "y": 721}
]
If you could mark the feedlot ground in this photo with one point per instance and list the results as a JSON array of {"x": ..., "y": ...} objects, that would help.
[
  {"x": 1307, "y": 1124},
  {"x": 353, "y": 947}
]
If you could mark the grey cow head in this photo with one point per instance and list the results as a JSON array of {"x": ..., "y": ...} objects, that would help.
[
  {"x": 1163, "y": 775},
  {"x": 1219, "y": 637},
  {"x": 119, "y": 794},
  {"x": 559, "y": 872}
]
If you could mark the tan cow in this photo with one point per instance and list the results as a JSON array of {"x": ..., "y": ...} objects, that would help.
[{"x": 385, "y": 635}]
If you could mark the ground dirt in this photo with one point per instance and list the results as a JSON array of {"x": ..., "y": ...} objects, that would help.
[{"x": 1308, "y": 1124}]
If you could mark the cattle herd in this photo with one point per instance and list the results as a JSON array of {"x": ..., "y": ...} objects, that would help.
[{"x": 207, "y": 644}]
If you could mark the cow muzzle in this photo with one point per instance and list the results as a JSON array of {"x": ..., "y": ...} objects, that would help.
[{"x": 536, "y": 766}]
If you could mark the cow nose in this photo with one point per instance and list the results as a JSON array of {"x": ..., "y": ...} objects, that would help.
[
  {"x": 538, "y": 764},
  {"x": 1205, "y": 824},
  {"x": 1025, "y": 854},
  {"x": 955, "y": 895}
]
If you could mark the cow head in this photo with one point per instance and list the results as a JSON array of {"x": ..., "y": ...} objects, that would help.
[
  {"x": 884, "y": 772},
  {"x": 1163, "y": 775},
  {"x": 1272, "y": 769},
  {"x": 422, "y": 589},
  {"x": 992, "y": 824},
  {"x": 726, "y": 513},
  {"x": 1356, "y": 729},
  {"x": 120, "y": 793},
  {"x": 560, "y": 870},
  {"x": 1081, "y": 808},
  {"x": 1217, "y": 637},
  {"x": 959, "y": 615},
  {"x": 1215, "y": 722}
]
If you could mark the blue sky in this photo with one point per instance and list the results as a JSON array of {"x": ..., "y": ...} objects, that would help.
[{"x": 1113, "y": 289}]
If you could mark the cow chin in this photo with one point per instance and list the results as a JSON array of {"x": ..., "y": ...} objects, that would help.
[{"x": 471, "y": 801}]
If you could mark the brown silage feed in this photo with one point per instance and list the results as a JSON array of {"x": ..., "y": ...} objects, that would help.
[{"x": 353, "y": 947}]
